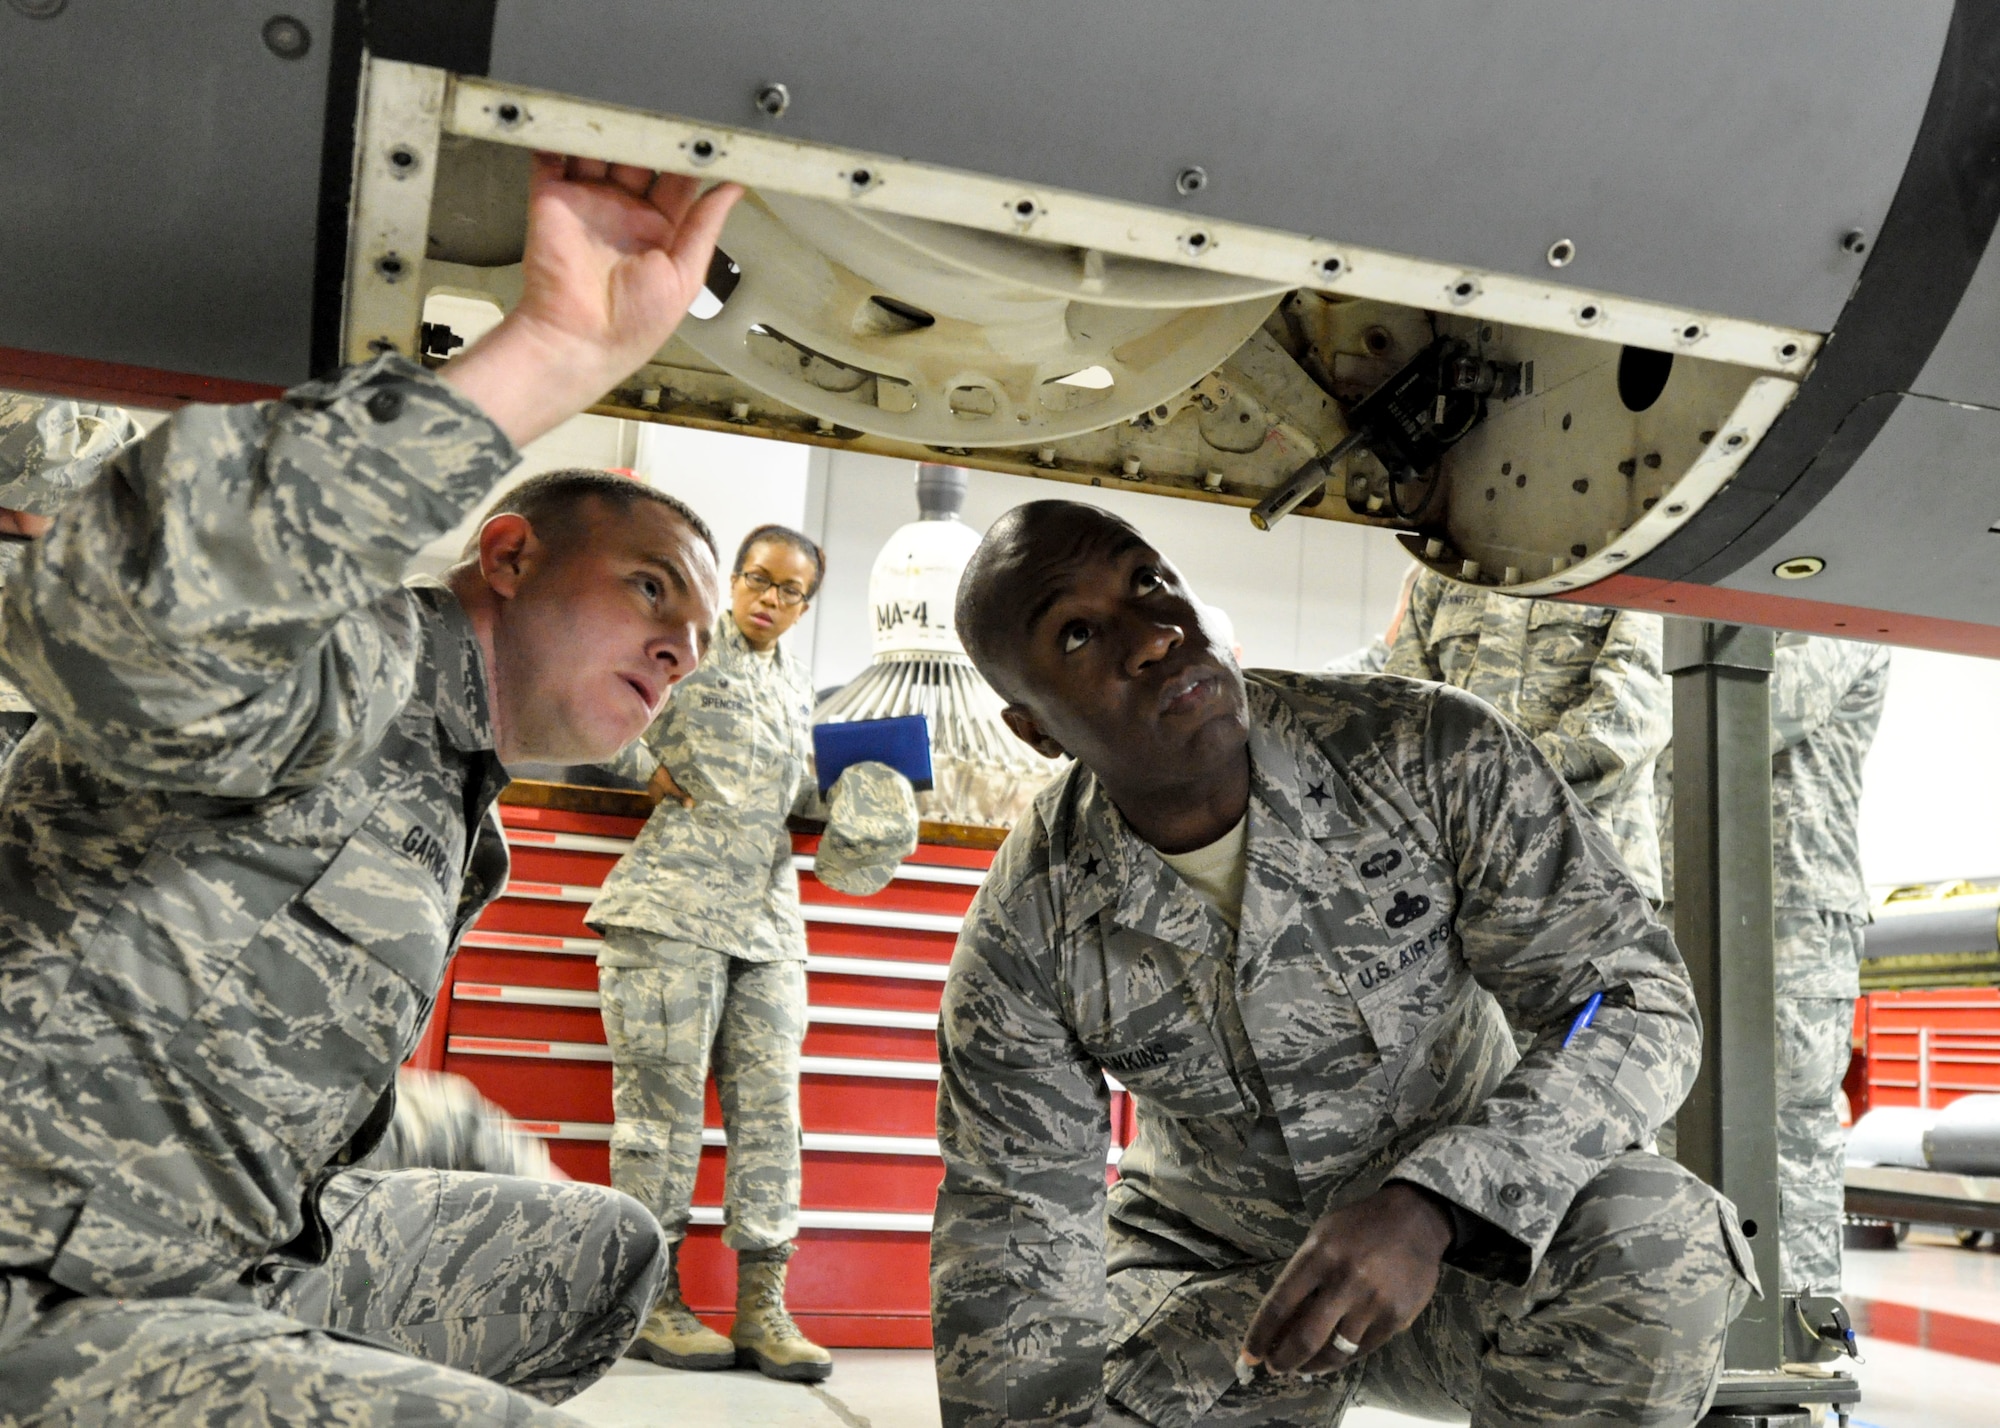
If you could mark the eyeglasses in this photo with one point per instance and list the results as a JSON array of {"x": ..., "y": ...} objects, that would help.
[{"x": 760, "y": 582}]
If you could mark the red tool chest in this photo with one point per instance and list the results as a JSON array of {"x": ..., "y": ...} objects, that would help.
[
  {"x": 518, "y": 1016},
  {"x": 1924, "y": 1047}
]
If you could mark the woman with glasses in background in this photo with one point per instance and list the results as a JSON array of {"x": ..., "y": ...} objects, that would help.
[{"x": 703, "y": 964}]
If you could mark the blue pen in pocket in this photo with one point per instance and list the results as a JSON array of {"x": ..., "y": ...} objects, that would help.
[{"x": 1584, "y": 1018}]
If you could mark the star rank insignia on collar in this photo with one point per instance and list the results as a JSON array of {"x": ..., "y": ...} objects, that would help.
[
  {"x": 1318, "y": 794},
  {"x": 1090, "y": 866}
]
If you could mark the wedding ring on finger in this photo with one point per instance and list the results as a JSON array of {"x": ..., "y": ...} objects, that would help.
[{"x": 1345, "y": 1345}]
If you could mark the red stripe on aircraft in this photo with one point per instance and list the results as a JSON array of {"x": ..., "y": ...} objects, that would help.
[{"x": 1783, "y": 612}]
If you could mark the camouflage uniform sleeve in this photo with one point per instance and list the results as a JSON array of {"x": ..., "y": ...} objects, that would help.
[
  {"x": 1625, "y": 719},
  {"x": 1017, "y": 1252},
  {"x": 1410, "y": 656},
  {"x": 188, "y": 621},
  {"x": 1547, "y": 916},
  {"x": 1371, "y": 658},
  {"x": 1809, "y": 680},
  {"x": 638, "y": 759}
]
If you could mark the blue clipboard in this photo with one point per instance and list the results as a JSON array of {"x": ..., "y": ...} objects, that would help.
[{"x": 903, "y": 743}]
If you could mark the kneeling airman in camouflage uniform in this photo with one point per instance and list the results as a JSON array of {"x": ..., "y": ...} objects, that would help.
[
  {"x": 1295, "y": 915},
  {"x": 253, "y": 820}
]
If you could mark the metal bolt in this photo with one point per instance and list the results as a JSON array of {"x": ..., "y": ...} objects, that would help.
[
  {"x": 403, "y": 160},
  {"x": 390, "y": 266},
  {"x": 861, "y": 180},
  {"x": 1691, "y": 333},
  {"x": 1332, "y": 266},
  {"x": 284, "y": 36},
  {"x": 774, "y": 99},
  {"x": 508, "y": 114},
  {"x": 1788, "y": 352},
  {"x": 1192, "y": 179},
  {"x": 1799, "y": 567},
  {"x": 1561, "y": 253},
  {"x": 1854, "y": 241},
  {"x": 1196, "y": 242},
  {"x": 1463, "y": 291},
  {"x": 1589, "y": 313},
  {"x": 1026, "y": 209},
  {"x": 702, "y": 150}
]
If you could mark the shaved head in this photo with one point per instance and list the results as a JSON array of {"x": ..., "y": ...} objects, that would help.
[
  {"x": 998, "y": 598},
  {"x": 1103, "y": 653}
]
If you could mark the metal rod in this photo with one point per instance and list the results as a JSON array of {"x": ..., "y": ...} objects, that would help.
[{"x": 1304, "y": 481}]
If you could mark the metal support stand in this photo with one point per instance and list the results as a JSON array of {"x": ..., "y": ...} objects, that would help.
[{"x": 1728, "y": 1126}]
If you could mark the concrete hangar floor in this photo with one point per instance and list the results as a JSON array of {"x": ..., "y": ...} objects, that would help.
[{"x": 1931, "y": 1359}]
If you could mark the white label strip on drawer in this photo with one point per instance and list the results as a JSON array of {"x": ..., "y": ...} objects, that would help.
[
  {"x": 548, "y": 892},
  {"x": 833, "y": 1219},
  {"x": 531, "y": 942},
  {"x": 535, "y": 838},
  {"x": 880, "y": 1070},
  {"x": 918, "y": 1147},
  {"x": 874, "y": 1070},
  {"x": 924, "y": 1147},
  {"x": 867, "y": 1016},
  {"x": 876, "y": 967},
  {"x": 564, "y": 997},
  {"x": 563, "y": 1130},
  {"x": 523, "y": 1046},
  {"x": 523, "y": 996},
  {"x": 912, "y": 872},
  {"x": 879, "y": 917}
]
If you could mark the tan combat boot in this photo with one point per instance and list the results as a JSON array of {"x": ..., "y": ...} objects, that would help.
[
  {"x": 674, "y": 1337},
  {"x": 764, "y": 1333}
]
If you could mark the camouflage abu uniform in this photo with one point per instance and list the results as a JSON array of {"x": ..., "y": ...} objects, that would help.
[
  {"x": 704, "y": 949},
  {"x": 1371, "y": 658},
  {"x": 1826, "y": 703},
  {"x": 48, "y": 449},
  {"x": 234, "y": 855},
  {"x": 1583, "y": 681},
  {"x": 443, "y": 1123},
  {"x": 1417, "y": 877}
]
